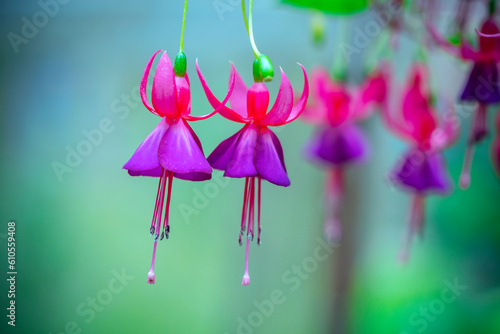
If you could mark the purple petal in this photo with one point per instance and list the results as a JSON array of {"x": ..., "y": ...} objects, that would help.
[
  {"x": 221, "y": 156},
  {"x": 279, "y": 149},
  {"x": 338, "y": 145},
  {"x": 180, "y": 151},
  {"x": 164, "y": 95},
  {"x": 482, "y": 85},
  {"x": 242, "y": 163},
  {"x": 269, "y": 159},
  {"x": 422, "y": 172},
  {"x": 283, "y": 105},
  {"x": 152, "y": 172},
  {"x": 145, "y": 158}
]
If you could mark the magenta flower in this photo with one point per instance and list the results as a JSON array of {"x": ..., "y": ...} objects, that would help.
[
  {"x": 254, "y": 152},
  {"x": 172, "y": 149},
  {"x": 422, "y": 169},
  {"x": 338, "y": 141},
  {"x": 482, "y": 86}
]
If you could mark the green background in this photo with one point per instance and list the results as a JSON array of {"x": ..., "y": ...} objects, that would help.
[{"x": 71, "y": 235}]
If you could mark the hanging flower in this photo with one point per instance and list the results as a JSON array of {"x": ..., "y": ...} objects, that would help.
[
  {"x": 254, "y": 152},
  {"x": 422, "y": 169},
  {"x": 482, "y": 86},
  {"x": 338, "y": 141},
  {"x": 172, "y": 149}
]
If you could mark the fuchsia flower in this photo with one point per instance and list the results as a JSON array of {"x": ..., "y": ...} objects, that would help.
[
  {"x": 172, "y": 149},
  {"x": 482, "y": 85},
  {"x": 422, "y": 169},
  {"x": 338, "y": 141},
  {"x": 254, "y": 152}
]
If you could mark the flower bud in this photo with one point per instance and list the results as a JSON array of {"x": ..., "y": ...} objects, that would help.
[
  {"x": 318, "y": 28},
  {"x": 180, "y": 64},
  {"x": 263, "y": 69}
]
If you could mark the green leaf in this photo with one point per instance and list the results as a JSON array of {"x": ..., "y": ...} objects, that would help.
[{"x": 339, "y": 7}]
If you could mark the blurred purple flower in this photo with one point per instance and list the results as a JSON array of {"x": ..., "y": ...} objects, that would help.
[
  {"x": 338, "y": 141},
  {"x": 422, "y": 169}
]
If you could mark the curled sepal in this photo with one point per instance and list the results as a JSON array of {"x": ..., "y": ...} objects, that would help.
[
  {"x": 222, "y": 105},
  {"x": 283, "y": 105},
  {"x": 144, "y": 83},
  {"x": 215, "y": 103},
  {"x": 300, "y": 106}
]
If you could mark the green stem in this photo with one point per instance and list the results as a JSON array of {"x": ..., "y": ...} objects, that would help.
[
  {"x": 183, "y": 24},
  {"x": 249, "y": 26}
]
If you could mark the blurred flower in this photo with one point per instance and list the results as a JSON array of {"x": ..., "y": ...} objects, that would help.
[
  {"x": 482, "y": 85},
  {"x": 338, "y": 141},
  {"x": 254, "y": 152},
  {"x": 172, "y": 149},
  {"x": 422, "y": 168}
]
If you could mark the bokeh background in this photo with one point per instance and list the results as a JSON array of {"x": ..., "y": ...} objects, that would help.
[{"x": 75, "y": 234}]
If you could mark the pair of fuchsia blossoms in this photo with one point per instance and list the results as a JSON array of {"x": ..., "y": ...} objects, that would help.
[{"x": 172, "y": 149}]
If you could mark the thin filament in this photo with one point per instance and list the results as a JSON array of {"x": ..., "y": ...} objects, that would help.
[
  {"x": 153, "y": 221},
  {"x": 415, "y": 225},
  {"x": 166, "y": 227},
  {"x": 258, "y": 211},
  {"x": 477, "y": 133},
  {"x": 246, "y": 196},
  {"x": 251, "y": 220},
  {"x": 333, "y": 202}
]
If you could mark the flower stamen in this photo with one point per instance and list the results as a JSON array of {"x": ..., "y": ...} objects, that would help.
[
  {"x": 416, "y": 225},
  {"x": 246, "y": 277}
]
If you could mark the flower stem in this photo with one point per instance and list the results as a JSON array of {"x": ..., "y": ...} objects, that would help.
[
  {"x": 183, "y": 24},
  {"x": 249, "y": 26}
]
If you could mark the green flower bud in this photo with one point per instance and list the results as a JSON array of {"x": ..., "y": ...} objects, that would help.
[
  {"x": 180, "y": 64},
  {"x": 257, "y": 77},
  {"x": 263, "y": 69},
  {"x": 318, "y": 28}
]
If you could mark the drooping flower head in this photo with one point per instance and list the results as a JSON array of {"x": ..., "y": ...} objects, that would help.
[
  {"x": 482, "y": 86},
  {"x": 421, "y": 170},
  {"x": 254, "y": 152},
  {"x": 172, "y": 149},
  {"x": 338, "y": 141}
]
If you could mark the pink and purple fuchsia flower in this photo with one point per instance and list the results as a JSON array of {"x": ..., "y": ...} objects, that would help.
[
  {"x": 172, "y": 149},
  {"x": 254, "y": 152},
  {"x": 482, "y": 86},
  {"x": 422, "y": 169},
  {"x": 338, "y": 140}
]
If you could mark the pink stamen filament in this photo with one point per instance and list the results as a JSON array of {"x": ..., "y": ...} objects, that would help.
[
  {"x": 251, "y": 220},
  {"x": 477, "y": 133},
  {"x": 166, "y": 227},
  {"x": 244, "y": 211},
  {"x": 246, "y": 277},
  {"x": 258, "y": 211},
  {"x": 153, "y": 222},
  {"x": 248, "y": 205},
  {"x": 416, "y": 225},
  {"x": 333, "y": 200},
  {"x": 156, "y": 224}
]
